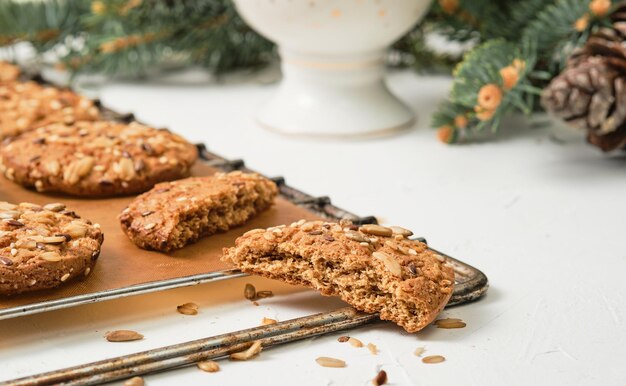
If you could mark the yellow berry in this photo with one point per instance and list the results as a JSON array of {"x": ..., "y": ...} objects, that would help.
[
  {"x": 510, "y": 77},
  {"x": 460, "y": 121},
  {"x": 489, "y": 96},
  {"x": 98, "y": 7},
  {"x": 581, "y": 24},
  {"x": 446, "y": 134},
  {"x": 600, "y": 7}
]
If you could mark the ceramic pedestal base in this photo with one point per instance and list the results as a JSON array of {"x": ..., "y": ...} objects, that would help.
[{"x": 334, "y": 96}]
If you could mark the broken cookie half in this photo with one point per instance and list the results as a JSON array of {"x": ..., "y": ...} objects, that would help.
[{"x": 373, "y": 268}]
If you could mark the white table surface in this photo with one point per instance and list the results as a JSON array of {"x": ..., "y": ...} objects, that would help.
[{"x": 539, "y": 211}]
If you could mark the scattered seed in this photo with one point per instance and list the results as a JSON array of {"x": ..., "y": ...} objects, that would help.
[
  {"x": 330, "y": 362},
  {"x": 267, "y": 321},
  {"x": 343, "y": 339},
  {"x": 419, "y": 351},
  {"x": 188, "y": 309},
  {"x": 249, "y": 292},
  {"x": 376, "y": 230},
  {"x": 264, "y": 294},
  {"x": 450, "y": 323},
  {"x": 134, "y": 381},
  {"x": 354, "y": 342},
  {"x": 123, "y": 336},
  {"x": 381, "y": 378},
  {"x": 433, "y": 359},
  {"x": 373, "y": 349},
  {"x": 251, "y": 352},
  {"x": 209, "y": 366}
]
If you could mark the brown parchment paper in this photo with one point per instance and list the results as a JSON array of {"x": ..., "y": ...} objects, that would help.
[{"x": 121, "y": 263}]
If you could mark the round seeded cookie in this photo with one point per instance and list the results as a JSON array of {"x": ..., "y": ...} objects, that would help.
[
  {"x": 371, "y": 267},
  {"x": 29, "y": 105},
  {"x": 44, "y": 247},
  {"x": 8, "y": 72},
  {"x": 96, "y": 159}
]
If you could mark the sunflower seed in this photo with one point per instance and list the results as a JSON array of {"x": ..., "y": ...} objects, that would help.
[
  {"x": 376, "y": 230},
  {"x": 390, "y": 263},
  {"x": 14, "y": 223},
  {"x": 354, "y": 342},
  {"x": 134, "y": 381},
  {"x": 419, "y": 351},
  {"x": 267, "y": 321},
  {"x": 381, "y": 378},
  {"x": 10, "y": 214},
  {"x": 188, "y": 309},
  {"x": 450, "y": 323},
  {"x": 401, "y": 231},
  {"x": 209, "y": 366},
  {"x": 249, "y": 292},
  {"x": 76, "y": 229},
  {"x": 343, "y": 339},
  {"x": 77, "y": 170},
  {"x": 123, "y": 336},
  {"x": 355, "y": 236},
  {"x": 54, "y": 207},
  {"x": 52, "y": 257},
  {"x": 149, "y": 226},
  {"x": 6, "y": 261},
  {"x": 65, "y": 277},
  {"x": 433, "y": 359},
  {"x": 330, "y": 362},
  {"x": 264, "y": 294},
  {"x": 251, "y": 352},
  {"x": 373, "y": 349},
  {"x": 54, "y": 240}
]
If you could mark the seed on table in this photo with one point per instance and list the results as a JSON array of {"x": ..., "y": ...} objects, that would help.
[
  {"x": 267, "y": 321},
  {"x": 123, "y": 336},
  {"x": 264, "y": 294},
  {"x": 134, "y": 381},
  {"x": 330, "y": 362},
  {"x": 209, "y": 366},
  {"x": 251, "y": 352},
  {"x": 450, "y": 323},
  {"x": 354, "y": 342},
  {"x": 433, "y": 359},
  {"x": 381, "y": 378},
  {"x": 188, "y": 309},
  {"x": 373, "y": 349},
  {"x": 419, "y": 351},
  {"x": 249, "y": 292},
  {"x": 343, "y": 339}
]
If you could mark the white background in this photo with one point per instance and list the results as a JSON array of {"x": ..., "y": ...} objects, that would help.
[{"x": 539, "y": 211}]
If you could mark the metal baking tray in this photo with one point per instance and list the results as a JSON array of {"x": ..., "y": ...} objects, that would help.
[{"x": 471, "y": 283}]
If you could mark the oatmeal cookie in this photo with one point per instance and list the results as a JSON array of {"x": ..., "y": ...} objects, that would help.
[
  {"x": 96, "y": 159},
  {"x": 373, "y": 268},
  {"x": 174, "y": 214},
  {"x": 44, "y": 246},
  {"x": 8, "y": 72},
  {"x": 29, "y": 105}
]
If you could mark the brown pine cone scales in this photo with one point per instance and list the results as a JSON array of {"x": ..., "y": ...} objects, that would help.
[
  {"x": 96, "y": 159},
  {"x": 373, "y": 268},
  {"x": 590, "y": 93}
]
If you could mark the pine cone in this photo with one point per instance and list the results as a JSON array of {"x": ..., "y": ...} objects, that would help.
[{"x": 590, "y": 93}]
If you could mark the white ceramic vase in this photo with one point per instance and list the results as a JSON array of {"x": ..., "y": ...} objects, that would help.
[{"x": 333, "y": 63}]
